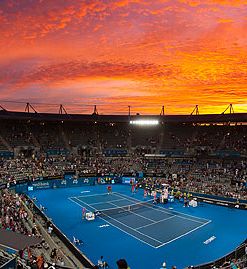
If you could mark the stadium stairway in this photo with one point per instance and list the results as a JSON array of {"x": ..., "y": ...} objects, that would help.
[
  {"x": 4, "y": 144},
  {"x": 53, "y": 242}
]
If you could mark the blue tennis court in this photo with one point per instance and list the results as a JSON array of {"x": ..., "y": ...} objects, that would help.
[
  {"x": 151, "y": 224},
  {"x": 146, "y": 236}
]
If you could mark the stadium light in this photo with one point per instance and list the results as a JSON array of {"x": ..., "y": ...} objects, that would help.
[{"x": 144, "y": 122}]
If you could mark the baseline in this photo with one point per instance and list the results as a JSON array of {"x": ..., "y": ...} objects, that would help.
[{"x": 182, "y": 235}]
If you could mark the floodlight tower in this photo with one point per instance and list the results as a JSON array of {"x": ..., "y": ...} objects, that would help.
[
  {"x": 2, "y": 108},
  {"x": 95, "y": 111},
  {"x": 30, "y": 107},
  {"x": 162, "y": 113},
  {"x": 195, "y": 111},
  {"x": 230, "y": 108},
  {"x": 62, "y": 110}
]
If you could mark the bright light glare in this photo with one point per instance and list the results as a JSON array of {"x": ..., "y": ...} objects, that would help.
[{"x": 144, "y": 122}]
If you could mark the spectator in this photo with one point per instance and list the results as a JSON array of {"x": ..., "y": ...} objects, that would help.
[
  {"x": 53, "y": 254},
  {"x": 40, "y": 261},
  {"x": 50, "y": 229},
  {"x": 122, "y": 264}
]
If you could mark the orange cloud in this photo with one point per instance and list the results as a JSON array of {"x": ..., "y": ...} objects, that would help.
[
  {"x": 143, "y": 53},
  {"x": 195, "y": 3},
  {"x": 221, "y": 20}
]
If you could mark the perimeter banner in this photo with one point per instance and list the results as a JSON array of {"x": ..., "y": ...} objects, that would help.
[{"x": 55, "y": 183}]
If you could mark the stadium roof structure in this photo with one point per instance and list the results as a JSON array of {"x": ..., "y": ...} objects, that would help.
[
  {"x": 203, "y": 118},
  {"x": 17, "y": 241}
]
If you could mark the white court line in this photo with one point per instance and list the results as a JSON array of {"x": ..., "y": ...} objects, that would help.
[
  {"x": 161, "y": 209},
  {"x": 183, "y": 234},
  {"x": 115, "y": 206},
  {"x": 97, "y": 194},
  {"x": 125, "y": 224},
  {"x": 107, "y": 202},
  {"x": 70, "y": 198},
  {"x": 169, "y": 212},
  {"x": 131, "y": 212},
  {"x": 121, "y": 195},
  {"x": 155, "y": 222},
  {"x": 162, "y": 244}
]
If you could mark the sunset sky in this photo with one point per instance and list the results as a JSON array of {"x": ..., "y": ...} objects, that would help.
[{"x": 142, "y": 53}]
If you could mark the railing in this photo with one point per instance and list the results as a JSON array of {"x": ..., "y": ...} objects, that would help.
[
  {"x": 11, "y": 263},
  {"x": 238, "y": 253}
]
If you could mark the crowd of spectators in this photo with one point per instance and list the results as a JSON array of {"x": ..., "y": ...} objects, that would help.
[
  {"x": 14, "y": 217},
  {"x": 12, "y": 170},
  {"x": 215, "y": 176}
]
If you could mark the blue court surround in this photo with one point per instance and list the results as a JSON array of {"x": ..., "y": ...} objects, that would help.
[{"x": 148, "y": 236}]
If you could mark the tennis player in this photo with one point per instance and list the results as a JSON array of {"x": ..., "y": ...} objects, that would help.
[
  {"x": 133, "y": 188},
  {"x": 155, "y": 196},
  {"x": 83, "y": 212},
  {"x": 145, "y": 193},
  {"x": 136, "y": 187},
  {"x": 109, "y": 189}
]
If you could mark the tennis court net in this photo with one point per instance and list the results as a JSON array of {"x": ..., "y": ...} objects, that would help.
[{"x": 127, "y": 209}]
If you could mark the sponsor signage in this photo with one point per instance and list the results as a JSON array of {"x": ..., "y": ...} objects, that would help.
[
  {"x": 209, "y": 240},
  {"x": 87, "y": 175},
  {"x": 41, "y": 185},
  {"x": 53, "y": 177},
  {"x": 127, "y": 180}
]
